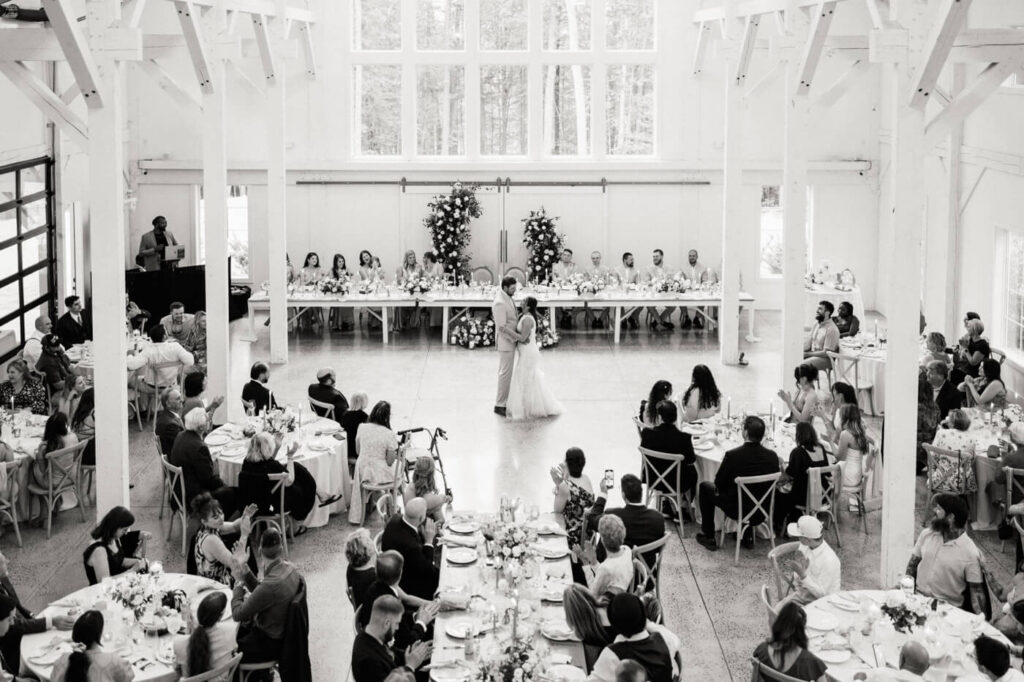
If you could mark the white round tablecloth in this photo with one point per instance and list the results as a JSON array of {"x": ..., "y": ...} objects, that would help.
[
  {"x": 815, "y": 293},
  {"x": 870, "y": 369},
  {"x": 25, "y": 446},
  {"x": 948, "y": 635},
  {"x": 40, "y": 651},
  {"x": 324, "y": 456}
]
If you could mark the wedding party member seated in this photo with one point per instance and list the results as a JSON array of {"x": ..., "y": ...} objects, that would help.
[
  {"x": 310, "y": 275},
  {"x": 56, "y": 436},
  {"x": 352, "y": 420},
  {"x": 21, "y": 391},
  {"x": 987, "y": 390},
  {"x": 195, "y": 341},
  {"x": 628, "y": 276},
  {"x": 54, "y": 364},
  {"x": 657, "y": 271},
  {"x": 411, "y": 628},
  {"x": 583, "y": 615},
  {"x": 116, "y": 549},
  {"x": 324, "y": 391},
  {"x": 822, "y": 338},
  {"x": 993, "y": 659},
  {"x": 361, "y": 571},
  {"x": 178, "y": 324},
  {"x": 88, "y": 660},
  {"x": 935, "y": 350},
  {"x": 261, "y": 606},
  {"x": 412, "y": 535},
  {"x": 808, "y": 454},
  {"x": 945, "y": 562},
  {"x": 615, "y": 572},
  {"x": 574, "y": 493},
  {"x": 635, "y": 639},
  {"x": 72, "y": 327},
  {"x": 194, "y": 385},
  {"x": 749, "y": 459},
  {"x": 162, "y": 351},
  {"x": 695, "y": 272},
  {"x": 21, "y": 621},
  {"x": 193, "y": 456},
  {"x": 816, "y": 573},
  {"x": 973, "y": 349},
  {"x": 944, "y": 392},
  {"x": 211, "y": 643},
  {"x": 955, "y": 434},
  {"x": 661, "y": 390},
  {"x": 168, "y": 419},
  {"x": 847, "y": 323},
  {"x": 409, "y": 270},
  {"x": 33, "y": 347},
  {"x": 786, "y": 651},
  {"x": 256, "y": 393},
  {"x": 702, "y": 398},
  {"x": 340, "y": 319},
  {"x": 66, "y": 399},
  {"x": 424, "y": 484},
  {"x": 804, "y": 404},
  {"x": 210, "y": 551},
  {"x": 372, "y": 658},
  {"x": 643, "y": 524}
]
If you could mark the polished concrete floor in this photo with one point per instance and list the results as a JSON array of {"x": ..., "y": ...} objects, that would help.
[{"x": 712, "y": 604}]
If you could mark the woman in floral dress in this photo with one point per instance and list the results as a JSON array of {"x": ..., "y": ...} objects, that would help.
[{"x": 574, "y": 494}]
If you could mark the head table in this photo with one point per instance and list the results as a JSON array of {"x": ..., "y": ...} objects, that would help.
[{"x": 150, "y": 655}]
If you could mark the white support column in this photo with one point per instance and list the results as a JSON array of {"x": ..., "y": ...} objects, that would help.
[
  {"x": 277, "y": 242},
  {"x": 732, "y": 215},
  {"x": 955, "y": 143},
  {"x": 794, "y": 216}
]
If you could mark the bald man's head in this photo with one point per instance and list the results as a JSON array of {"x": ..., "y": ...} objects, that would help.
[
  {"x": 914, "y": 658},
  {"x": 43, "y": 324},
  {"x": 416, "y": 510}
]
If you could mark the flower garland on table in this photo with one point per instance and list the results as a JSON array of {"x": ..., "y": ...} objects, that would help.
[
  {"x": 586, "y": 284},
  {"x": 472, "y": 332},
  {"x": 334, "y": 286},
  {"x": 448, "y": 223},
  {"x": 519, "y": 661},
  {"x": 279, "y": 421},
  {"x": 544, "y": 242},
  {"x": 676, "y": 284},
  {"x": 418, "y": 285}
]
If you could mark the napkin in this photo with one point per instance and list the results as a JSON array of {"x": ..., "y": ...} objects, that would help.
[
  {"x": 460, "y": 540},
  {"x": 454, "y": 601}
]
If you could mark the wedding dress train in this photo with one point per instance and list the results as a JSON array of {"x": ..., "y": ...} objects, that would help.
[{"x": 529, "y": 397}]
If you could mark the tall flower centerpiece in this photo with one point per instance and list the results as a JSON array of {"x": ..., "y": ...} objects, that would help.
[
  {"x": 541, "y": 237},
  {"x": 448, "y": 223},
  {"x": 518, "y": 661}
]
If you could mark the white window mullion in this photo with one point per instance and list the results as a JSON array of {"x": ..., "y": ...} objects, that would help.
[
  {"x": 408, "y": 55},
  {"x": 345, "y": 80},
  {"x": 472, "y": 57},
  {"x": 598, "y": 82},
  {"x": 535, "y": 80}
]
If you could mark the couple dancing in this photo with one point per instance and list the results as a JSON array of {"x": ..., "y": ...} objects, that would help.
[{"x": 521, "y": 390}]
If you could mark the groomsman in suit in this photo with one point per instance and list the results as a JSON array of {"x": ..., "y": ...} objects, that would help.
[
  {"x": 72, "y": 327},
  {"x": 412, "y": 535},
  {"x": 372, "y": 658},
  {"x": 694, "y": 271},
  {"x": 562, "y": 271},
  {"x": 628, "y": 275},
  {"x": 599, "y": 316},
  {"x": 503, "y": 311},
  {"x": 657, "y": 270}
]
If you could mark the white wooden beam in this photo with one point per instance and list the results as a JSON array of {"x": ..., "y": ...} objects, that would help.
[
  {"x": 262, "y": 33},
  {"x": 70, "y": 94},
  {"x": 984, "y": 85},
  {"x": 137, "y": 7},
  {"x": 703, "y": 38},
  {"x": 793, "y": 194},
  {"x": 747, "y": 47},
  {"x": 764, "y": 82},
  {"x": 76, "y": 49},
  {"x": 189, "y": 102},
  {"x": 879, "y": 13},
  {"x": 821, "y": 20},
  {"x": 189, "y": 21},
  {"x": 267, "y": 8},
  {"x": 276, "y": 205},
  {"x": 843, "y": 84},
  {"x": 47, "y": 101},
  {"x": 988, "y": 45},
  {"x": 749, "y": 7},
  {"x": 951, "y": 272},
  {"x": 234, "y": 67},
  {"x": 949, "y": 19},
  {"x": 939, "y": 95},
  {"x": 306, "y": 40}
]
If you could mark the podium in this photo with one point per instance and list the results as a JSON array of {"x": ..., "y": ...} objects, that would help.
[{"x": 172, "y": 255}]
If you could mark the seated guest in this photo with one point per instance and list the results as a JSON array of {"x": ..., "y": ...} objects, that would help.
[
  {"x": 661, "y": 390},
  {"x": 211, "y": 643},
  {"x": 847, "y": 323},
  {"x": 372, "y": 658},
  {"x": 195, "y": 341},
  {"x": 986, "y": 390},
  {"x": 33, "y": 347},
  {"x": 193, "y": 456},
  {"x": 135, "y": 317},
  {"x": 324, "y": 391},
  {"x": 66, "y": 400},
  {"x": 944, "y": 392},
  {"x": 389, "y": 574},
  {"x": 842, "y": 394},
  {"x": 72, "y": 327},
  {"x": 412, "y": 535},
  {"x": 615, "y": 572},
  {"x": 787, "y": 651},
  {"x": 351, "y": 421},
  {"x": 162, "y": 351},
  {"x": 667, "y": 438},
  {"x": 582, "y": 613},
  {"x": 178, "y": 324},
  {"x": 643, "y": 524},
  {"x": 945, "y": 562},
  {"x": 651, "y": 647},
  {"x": 340, "y": 318},
  {"x": 21, "y": 391},
  {"x": 54, "y": 364},
  {"x": 935, "y": 345},
  {"x": 56, "y": 436},
  {"x": 21, "y": 621},
  {"x": 702, "y": 399},
  {"x": 212, "y": 556},
  {"x": 750, "y": 459},
  {"x": 993, "y": 659},
  {"x": 817, "y": 573},
  {"x": 973, "y": 349},
  {"x": 88, "y": 660},
  {"x": 361, "y": 554},
  {"x": 914, "y": 658},
  {"x": 1014, "y": 459},
  {"x": 255, "y": 393},
  {"x": 822, "y": 338},
  {"x": 630, "y": 671},
  {"x": 574, "y": 493},
  {"x": 956, "y": 435},
  {"x": 803, "y": 405},
  {"x": 194, "y": 386},
  {"x": 424, "y": 485},
  {"x": 852, "y": 446},
  {"x": 168, "y": 419},
  {"x": 115, "y": 550},
  {"x": 927, "y": 420},
  {"x": 261, "y": 606},
  {"x": 808, "y": 454},
  {"x": 376, "y": 450}
]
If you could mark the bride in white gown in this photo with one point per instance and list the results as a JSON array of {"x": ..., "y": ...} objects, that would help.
[{"x": 529, "y": 397}]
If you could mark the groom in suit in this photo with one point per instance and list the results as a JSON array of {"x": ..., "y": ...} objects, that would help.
[{"x": 503, "y": 310}]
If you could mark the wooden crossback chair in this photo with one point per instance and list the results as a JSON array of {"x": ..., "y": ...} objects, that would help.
[
  {"x": 328, "y": 408},
  {"x": 658, "y": 549},
  {"x": 667, "y": 484},
  {"x": 9, "y": 503},
  {"x": 783, "y": 580},
  {"x": 280, "y": 518},
  {"x": 62, "y": 476},
  {"x": 826, "y": 504},
  {"x": 858, "y": 493},
  {"x": 772, "y": 612},
  {"x": 771, "y": 674},
  {"x": 745, "y": 520},
  {"x": 179, "y": 374},
  {"x": 224, "y": 672},
  {"x": 174, "y": 489}
]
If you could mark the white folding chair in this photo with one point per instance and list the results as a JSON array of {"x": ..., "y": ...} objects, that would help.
[
  {"x": 772, "y": 612},
  {"x": 9, "y": 502},
  {"x": 783, "y": 582},
  {"x": 658, "y": 549},
  {"x": 828, "y": 495}
]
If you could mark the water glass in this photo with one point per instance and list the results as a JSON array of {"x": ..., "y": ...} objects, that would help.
[{"x": 533, "y": 512}]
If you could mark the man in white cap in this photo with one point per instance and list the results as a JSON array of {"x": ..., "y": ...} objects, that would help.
[
  {"x": 323, "y": 391},
  {"x": 817, "y": 572}
]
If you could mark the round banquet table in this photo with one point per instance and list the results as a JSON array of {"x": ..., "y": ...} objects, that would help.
[
  {"x": 948, "y": 635},
  {"x": 324, "y": 456},
  {"x": 30, "y": 437},
  {"x": 986, "y": 469},
  {"x": 815, "y": 293},
  {"x": 40, "y": 651},
  {"x": 870, "y": 369}
]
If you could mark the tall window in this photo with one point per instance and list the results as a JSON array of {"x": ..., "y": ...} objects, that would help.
[
  {"x": 772, "y": 231},
  {"x": 519, "y": 78},
  {"x": 238, "y": 231},
  {"x": 1013, "y": 291}
]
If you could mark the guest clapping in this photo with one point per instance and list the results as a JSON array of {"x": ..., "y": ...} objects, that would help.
[
  {"x": 987, "y": 390},
  {"x": 116, "y": 550},
  {"x": 412, "y": 535},
  {"x": 615, "y": 572},
  {"x": 212, "y": 641},
  {"x": 372, "y": 659},
  {"x": 818, "y": 571},
  {"x": 88, "y": 660},
  {"x": 804, "y": 404},
  {"x": 211, "y": 554},
  {"x": 195, "y": 386},
  {"x": 661, "y": 390},
  {"x": 702, "y": 399},
  {"x": 574, "y": 493},
  {"x": 852, "y": 446},
  {"x": 21, "y": 391},
  {"x": 973, "y": 349}
]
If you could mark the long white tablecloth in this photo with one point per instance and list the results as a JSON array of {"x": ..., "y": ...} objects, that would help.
[{"x": 814, "y": 294}]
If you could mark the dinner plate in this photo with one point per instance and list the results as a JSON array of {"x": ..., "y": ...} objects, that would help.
[
  {"x": 694, "y": 430},
  {"x": 550, "y": 529},
  {"x": 464, "y": 527},
  {"x": 461, "y": 555},
  {"x": 551, "y": 552},
  {"x": 217, "y": 439},
  {"x": 819, "y": 620},
  {"x": 318, "y": 446},
  {"x": 557, "y": 631},
  {"x": 844, "y": 604},
  {"x": 458, "y": 629},
  {"x": 553, "y": 595},
  {"x": 565, "y": 672},
  {"x": 450, "y": 671},
  {"x": 834, "y": 655},
  {"x": 703, "y": 445},
  {"x": 234, "y": 451}
]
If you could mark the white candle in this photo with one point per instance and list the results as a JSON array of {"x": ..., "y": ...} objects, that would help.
[
  {"x": 728, "y": 408},
  {"x": 876, "y": 329}
]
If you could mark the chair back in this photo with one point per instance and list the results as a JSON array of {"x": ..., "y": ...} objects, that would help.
[
  {"x": 158, "y": 373},
  {"x": 378, "y": 541},
  {"x": 771, "y": 674},
  {"x": 226, "y": 671},
  {"x": 670, "y": 479},
  {"x": 175, "y": 482},
  {"x": 823, "y": 486},
  {"x": 321, "y": 408},
  {"x": 847, "y": 368},
  {"x": 783, "y": 579},
  {"x": 950, "y": 471},
  {"x": 641, "y": 577},
  {"x": 639, "y": 425},
  {"x": 997, "y": 355},
  {"x": 653, "y": 550},
  {"x": 766, "y": 599},
  {"x": 518, "y": 274},
  {"x": 482, "y": 274},
  {"x": 266, "y": 491},
  {"x": 747, "y": 487},
  {"x": 1014, "y": 485},
  {"x": 250, "y": 407},
  {"x": 63, "y": 466}
]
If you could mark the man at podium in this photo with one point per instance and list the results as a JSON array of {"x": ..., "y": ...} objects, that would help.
[{"x": 153, "y": 252}]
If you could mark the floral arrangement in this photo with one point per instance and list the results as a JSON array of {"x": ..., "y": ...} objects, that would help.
[
  {"x": 134, "y": 591},
  {"x": 278, "y": 421},
  {"x": 334, "y": 286},
  {"x": 448, "y": 223},
  {"x": 519, "y": 661},
  {"x": 415, "y": 284},
  {"x": 544, "y": 242},
  {"x": 585, "y": 284},
  {"x": 906, "y": 613},
  {"x": 512, "y": 542},
  {"x": 675, "y": 284},
  {"x": 473, "y": 332},
  {"x": 547, "y": 336}
]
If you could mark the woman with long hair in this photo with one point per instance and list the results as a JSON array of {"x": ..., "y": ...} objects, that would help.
[
  {"x": 376, "y": 452},
  {"x": 661, "y": 390},
  {"x": 195, "y": 341},
  {"x": 583, "y": 616},
  {"x": 115, "y": 550},
  {"x": 807, "y": 454},
  {"x": 804, "y": 404},
  {"x": 66, "y": 399},
  {"x": 529, "y": 396},
  {"x": 21, "y": 391},
  {"x": 310, "y": 275},
  {"x": 212, "y": 557},
  {"x": 83, "y": 423},
  {"x": 88, "y": 662},
  {"x": 702, "y": 399},
  {"x": 424, "y": 484},
  {"x": 194, "y": 385},
  {"x": 369, "y": 274},
  {"x": 988, "y": 389},
  {"x": 340, "y": 318},
  {"x": 842, "y": 394},
  {"x": 786, "y": 651},
  {"x": 852, "y": 446},
  {"x": 56, "y": 436},
  {"x": 409, "y": 270},
  {"x": 212, "y": 641}
]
